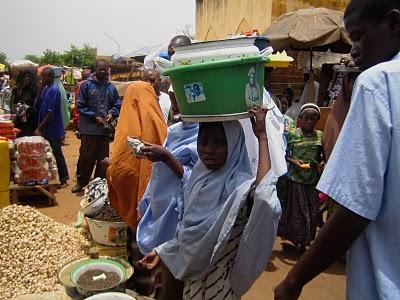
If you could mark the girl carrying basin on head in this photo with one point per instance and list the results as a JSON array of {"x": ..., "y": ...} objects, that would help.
[{"x": 229, "y": 220}]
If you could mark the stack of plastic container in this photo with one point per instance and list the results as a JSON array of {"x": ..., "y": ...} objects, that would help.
[{"x": 219, "y": 80}]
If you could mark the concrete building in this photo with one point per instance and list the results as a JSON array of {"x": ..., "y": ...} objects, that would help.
[{"x": 216, "y": 19}]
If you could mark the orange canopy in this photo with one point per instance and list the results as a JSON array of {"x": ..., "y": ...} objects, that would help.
[
  {"x": 41, "y": 68},
  {"x": 128, "y": 176}
]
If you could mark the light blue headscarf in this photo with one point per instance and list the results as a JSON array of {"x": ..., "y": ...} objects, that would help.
[
  {"x": 213, "y": 201},
  {"x": 207, "y": 197},
  {"x": 208, "y": 190},
  {"x": 163, "y": 200}
]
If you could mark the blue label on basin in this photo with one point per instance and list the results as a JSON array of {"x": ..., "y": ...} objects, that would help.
[{"x": 194, "y": 92}]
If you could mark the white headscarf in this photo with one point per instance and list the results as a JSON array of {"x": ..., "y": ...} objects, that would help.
[{"x": 275, "y": 124}]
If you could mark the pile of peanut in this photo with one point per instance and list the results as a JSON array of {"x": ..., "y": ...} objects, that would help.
[{"x": 33, "y": 248}]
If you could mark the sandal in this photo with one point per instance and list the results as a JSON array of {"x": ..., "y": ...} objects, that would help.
[{"x": 63, "y": 185}]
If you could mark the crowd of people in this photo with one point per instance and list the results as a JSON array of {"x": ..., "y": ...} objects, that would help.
[{"x": 204, "y": 202}]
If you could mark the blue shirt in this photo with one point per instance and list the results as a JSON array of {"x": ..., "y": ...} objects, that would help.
[
  {"x": 50, "y": 102},
  {"x": 363, "y": 175}
]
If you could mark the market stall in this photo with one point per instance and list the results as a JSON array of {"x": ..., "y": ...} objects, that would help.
[{"x": 310, "y": 32}]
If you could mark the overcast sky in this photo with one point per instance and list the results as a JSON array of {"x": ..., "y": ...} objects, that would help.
[{"x": 30, "y": 26}]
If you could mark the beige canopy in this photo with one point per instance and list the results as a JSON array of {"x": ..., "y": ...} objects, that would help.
[
  {"x": 121, "y": 87},
  {"x": 309, "y": 29}
]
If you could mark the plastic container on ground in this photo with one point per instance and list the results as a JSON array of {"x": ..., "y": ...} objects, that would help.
[
  {"x": 218, "y": 90},
  {"x": 105, "y": 265},
  {"x": 111, "y": 296},
  {"x": 107, "y": 233},
  {"x": 64, "y": 276},
  {"x": 219, "y": 50}
]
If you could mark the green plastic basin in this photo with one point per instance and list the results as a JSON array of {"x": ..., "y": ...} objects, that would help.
[{"x": 219, "y": 90}]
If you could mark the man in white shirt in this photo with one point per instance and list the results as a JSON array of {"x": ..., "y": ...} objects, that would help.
[{"x": 362, "y": 175}]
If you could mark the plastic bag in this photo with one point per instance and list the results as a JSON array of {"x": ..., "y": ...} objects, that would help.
[{"x": 35, "y": 162}]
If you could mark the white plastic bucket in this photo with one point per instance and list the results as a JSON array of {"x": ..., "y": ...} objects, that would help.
[
  {"x": 108, "y": 233},
  {"x": 111, "y": 296},
  {"x": 214, "y": 51}
]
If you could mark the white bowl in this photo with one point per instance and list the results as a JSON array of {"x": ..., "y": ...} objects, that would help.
[{"x": 111, "y": 296}]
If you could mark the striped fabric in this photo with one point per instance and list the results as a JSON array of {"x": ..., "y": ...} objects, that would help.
[{"x": 216, "y": 285}]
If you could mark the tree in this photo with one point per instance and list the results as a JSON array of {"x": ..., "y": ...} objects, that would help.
[
  {"x": 51, "y": 57},
  {"x": 77, "y": 57},
  {"x": 188, "y": 31},
  {"x": 83, "y": 57},
  {"x": 3, "y": 58},
  {"x": 33, "y": 58}
]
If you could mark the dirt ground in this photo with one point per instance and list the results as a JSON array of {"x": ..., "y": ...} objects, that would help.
[{"x": 329, "y": 285}]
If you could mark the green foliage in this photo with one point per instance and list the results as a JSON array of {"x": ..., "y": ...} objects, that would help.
[
  {"x": 83, "y": 57},
  {"x": 51, "y": 57},
  {"x": 77, "y": 57},
  {"x": 34, "y": 58},
  {"x": 3, "y": 58}
]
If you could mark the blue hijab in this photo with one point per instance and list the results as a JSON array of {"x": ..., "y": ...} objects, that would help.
[{"x": 162, "y": 202}]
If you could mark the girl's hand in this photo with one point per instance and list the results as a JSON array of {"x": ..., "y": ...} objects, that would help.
[
  {"x": 154, "y": 152},
  {"x": 150, "y": 261},
  {"x": 258, "y": 121},
  {"x": 297, "y": 162}
]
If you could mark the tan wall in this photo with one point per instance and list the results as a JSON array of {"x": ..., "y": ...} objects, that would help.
[
  {"x": 280, "y": 7},
  {"x": 215, "y": 19}
]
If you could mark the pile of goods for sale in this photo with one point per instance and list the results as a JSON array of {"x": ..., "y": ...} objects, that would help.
[
  {"x": 7, "y": 130},
  {"x": 98, "y": 279},
  {"x": 32, "y": 161},
  {"x": 33, "y": 249},
  {"x": 107, "y": 214}
]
